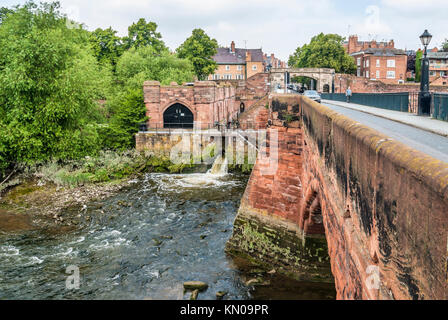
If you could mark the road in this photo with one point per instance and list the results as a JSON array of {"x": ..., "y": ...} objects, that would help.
[{"x": 424, "y": 141}]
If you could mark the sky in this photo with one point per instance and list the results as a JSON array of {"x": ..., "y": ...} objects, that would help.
[{"x": 276, "y": 26}]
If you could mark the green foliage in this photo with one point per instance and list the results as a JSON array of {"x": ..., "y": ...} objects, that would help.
[
  {"x": 418, "y": 66},
  {"x": 324, "y": 51},
  {"x": 445, "y": 46},
  {"x": 199, "y": 48},
  {"x": 105, "y": 167},
  {"x": 146, "y": 63},
  {"x": 49, "y": 85},
  {"x": 143, "y": 34},
  {"x": 127, "y": 111},
  {"x": 303, "y": 80},
  {"x": 107, "y": 46},
  {"x": 4, "y": 12}
]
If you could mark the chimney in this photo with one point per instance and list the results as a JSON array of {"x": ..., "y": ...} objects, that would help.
[
  {"x": 391, "y": 44},
  {"x": 232, "y": 46},
  {"x": 248, "y": 56}
]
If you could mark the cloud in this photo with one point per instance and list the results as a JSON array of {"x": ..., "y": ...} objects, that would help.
[{"x": 277, "y": 26}]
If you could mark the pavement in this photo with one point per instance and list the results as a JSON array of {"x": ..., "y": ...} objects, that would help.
[
  {"x": 424, "y": 123},
  {"x": 404, "y": 129}
]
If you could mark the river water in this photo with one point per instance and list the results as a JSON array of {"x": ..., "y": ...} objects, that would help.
[{"x": 143, "y": 244}]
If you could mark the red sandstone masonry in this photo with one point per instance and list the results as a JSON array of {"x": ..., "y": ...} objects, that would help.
[
  {"x": 384, "y": 204},
  {"x": 207, "y": 102}
]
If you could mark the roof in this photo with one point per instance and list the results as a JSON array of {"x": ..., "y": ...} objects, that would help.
[
  {"x": 225, "y": 56},
  {"x": 381, "y": 52},
  {"x": 438, "y": 55}
]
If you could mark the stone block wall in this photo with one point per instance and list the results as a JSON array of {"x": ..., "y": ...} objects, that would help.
[
  {"x": 375, "y": 207},
  {"x": 384, "y": 206},
  {"x": 208, "y": 102}
]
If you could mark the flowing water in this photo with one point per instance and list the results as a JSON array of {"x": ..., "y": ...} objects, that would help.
[{"x": 172, "y": 229}]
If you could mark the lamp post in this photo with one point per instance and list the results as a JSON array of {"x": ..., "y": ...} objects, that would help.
[{"x": 424, "y": 98}]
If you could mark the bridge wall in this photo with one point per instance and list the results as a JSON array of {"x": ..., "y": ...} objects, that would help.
[
  {"x": 386, "y": 207},
  {"x": 381, "y": 206}
]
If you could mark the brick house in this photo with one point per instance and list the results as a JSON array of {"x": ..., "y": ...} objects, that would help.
[
  {"x": 354, "y": 45},
  {"x": 238, "y": 64},
  {"x": 385, "y": 64},
  {"x": 438, "y": 67},
  {"x": 273, "y": 62}
]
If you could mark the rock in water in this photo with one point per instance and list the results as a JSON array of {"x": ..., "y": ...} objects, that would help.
[
  {"x": 195, "y": 285},
  {"x": 194, "y": 295},
  {"x": 221, "y": 294}
]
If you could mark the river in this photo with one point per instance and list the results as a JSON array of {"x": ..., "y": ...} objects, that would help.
[{"x": 144, "y": 243}]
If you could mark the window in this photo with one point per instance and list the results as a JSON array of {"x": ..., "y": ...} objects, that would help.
[
  {"x": 254, "y": 67},
  {"x": 377, "y": 74},
  {"x": 359, "y": 72},
  {"x": 227, "y": 77},
  {"x": 367, "y": 63},
  {"x": 227, "y": 68},
  {"x": 358, "y": 61},
  {"x": 432, "y": 73},
  {"x": 367, "y": 74},
  {"x": 240, "y": 77},
  {"x": 442, "y": 73},
  {"x": 216, "y": 77},
  {"x": 378, "y": 63},
  {"x": 391, "y": 63},
  {"x": 390, "y": 74},
  {"x": 239, "y": 68}
]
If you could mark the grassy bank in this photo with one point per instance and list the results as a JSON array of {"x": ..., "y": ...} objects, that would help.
[{"x": 107, "y": 167}]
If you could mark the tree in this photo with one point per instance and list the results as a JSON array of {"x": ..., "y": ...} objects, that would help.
[
  {"x": 143, "y": 34},
  {"x": 4, "y": 12},
  {"x": 126, "y": 108},
  {"x": 49, "y": 85},
  {"x": 445, "y": 46},
  {"x": 199, "y": 48},
  {"x": 324, "y": 51},
  {"x": 139, "y": 65},
  {"x": 107, "y": 46},
  {"x": 418, "y": 65}
]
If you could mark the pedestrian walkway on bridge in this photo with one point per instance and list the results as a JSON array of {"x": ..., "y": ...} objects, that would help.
[
  {"x": 425, "y": 123},
  {"x": 414, "y": 131}
]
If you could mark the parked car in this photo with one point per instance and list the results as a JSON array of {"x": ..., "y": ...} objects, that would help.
[{"x": 313, "y": 95}]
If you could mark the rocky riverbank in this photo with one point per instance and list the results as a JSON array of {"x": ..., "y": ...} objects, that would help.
[{"x": 36, "y": 205}]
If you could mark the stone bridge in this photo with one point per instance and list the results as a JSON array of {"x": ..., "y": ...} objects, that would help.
[
  {"x": 323, "y": 76},
  {"x": 346, "y": 205}
]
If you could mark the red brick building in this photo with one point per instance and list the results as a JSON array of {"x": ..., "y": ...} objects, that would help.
[
  {"x": 378, "y": 60},
  {"x": 438, "y": 67},
  {"x": 354, "y": 45}
]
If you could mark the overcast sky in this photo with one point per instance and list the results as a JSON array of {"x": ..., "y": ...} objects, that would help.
[{"x": 277, "y": 26}]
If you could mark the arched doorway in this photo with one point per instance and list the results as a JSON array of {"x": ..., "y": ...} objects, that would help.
[
  {"x": 178, "y": 116},
  {"x": 242, "y": 107}
]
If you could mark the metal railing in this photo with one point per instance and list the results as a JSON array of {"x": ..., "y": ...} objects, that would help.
[
  {"x": 439, "y": 106},
  {"x": 391, "y": 101},
  {"x": 188, "y": 128}
]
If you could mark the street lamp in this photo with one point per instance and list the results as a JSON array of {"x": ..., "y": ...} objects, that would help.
[{"x": 424, "y": 99}]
